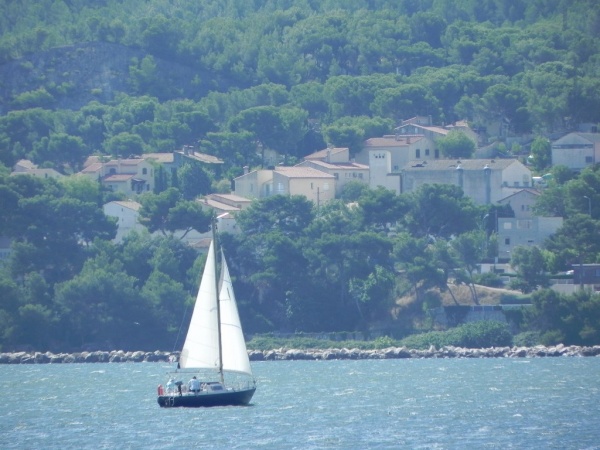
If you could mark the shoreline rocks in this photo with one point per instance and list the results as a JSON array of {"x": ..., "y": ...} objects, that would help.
[{"x": 285, "y": 354}]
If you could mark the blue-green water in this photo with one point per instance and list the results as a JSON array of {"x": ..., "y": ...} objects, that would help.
[{"x": 374, "y": 404}]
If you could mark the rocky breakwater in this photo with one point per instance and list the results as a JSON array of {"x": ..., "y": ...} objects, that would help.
[
  {"x": 539, "y": 351},
  {"x": 285, "y": 354},
  {"x": 86, "y": 357}
]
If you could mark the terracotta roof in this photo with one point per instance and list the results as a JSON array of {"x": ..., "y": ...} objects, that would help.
[
  {"x": 217, "y": 204},
  {"x": 125, "y": 162},
  {"x": 163, "y": 158},
  {"x": 202, "y": 157},
  {"x": 465, "y": 164},
  {"x": 339, "y": 166},
  {"x": 92, "y": 168},
  {"x": 393, "y": 141},
  {"x": 321, "y": 154},
  {"x": 302, "y": 172},
  {"x": 530, "y": 191},
  {"x": 232, "y": 197},
  {"x": 128, "y": 204},
  {"x": 119, "y": 177}
]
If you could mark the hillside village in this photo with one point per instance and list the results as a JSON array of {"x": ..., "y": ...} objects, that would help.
[{"x": 401, "y": 162}]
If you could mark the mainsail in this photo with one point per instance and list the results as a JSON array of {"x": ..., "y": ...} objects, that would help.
[{"x": 201, "y": 346}]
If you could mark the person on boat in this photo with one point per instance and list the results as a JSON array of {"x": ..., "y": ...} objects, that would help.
[
  {"x": 171, "y": 385},
  {"x": 194, "y": 385}
]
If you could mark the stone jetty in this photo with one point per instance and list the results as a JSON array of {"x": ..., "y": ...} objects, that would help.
[{"x": 285, "y": 354}]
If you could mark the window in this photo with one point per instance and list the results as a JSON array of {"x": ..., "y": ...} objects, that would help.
[
  {"x": 589, "y": 160},
  {"x": 336, "y": 175},
  {"x": 112, "y": 171},
  {"x": 507, "y": 241},
  {"x": 144, "y": 171},
  {"x": 360, "y": 175},
  {"x": 418, "y": 153},
  {"x": 426, "y": 152},
  {"x": 326, "y": 187}
]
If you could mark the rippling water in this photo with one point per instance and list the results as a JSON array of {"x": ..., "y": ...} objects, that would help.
[{"x": 374, "y": 404}]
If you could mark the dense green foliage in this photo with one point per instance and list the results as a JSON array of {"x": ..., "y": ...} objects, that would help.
[
  {"x": 237, "y": 78},
  {"x": 233, "y": 73},
  {"x": 485, "y": 334}
]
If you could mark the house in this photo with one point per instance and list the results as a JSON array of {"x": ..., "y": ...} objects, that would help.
[
  {"x": 336, "y": 162},
  {"x": 127, "y": 214},
  {"x": 402, "y": 149},
  {"x": 26, "y": 167},
  {"x": 130, "y": 176},
  {"x": 167, "y": 160},
  {"x": 521, "y": 202},
  {"x": 226, "y": 207},
  {"x": 576, "y": 150},
  {"x": 513, "y": 232},
  {"x": 189, "y": 155},
  {"x": 486, "y": 181},
  {"x": 315, "y": 185}
]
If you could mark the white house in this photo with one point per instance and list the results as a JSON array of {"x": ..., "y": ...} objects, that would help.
[
  {"x": 513, "y": 232},
  {"x": 486, "y": 181},
  {"x": 127, "y": 214},
  {"x": 576, "y": 150}
]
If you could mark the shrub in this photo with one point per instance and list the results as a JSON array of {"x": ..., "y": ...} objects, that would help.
[{"x": 527, "y": 339}]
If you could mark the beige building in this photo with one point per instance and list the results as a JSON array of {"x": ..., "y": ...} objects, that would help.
[
  {"x": 26, "y": 167},
  {"x": 130, "y": 176},
  {"x": 486, "y": 181},
  {"x": 521, "y": 202},
  {"x": 336, "y": 162},
  {"x": 315, "y": 185},
  {"x": 576, "y": 150}
]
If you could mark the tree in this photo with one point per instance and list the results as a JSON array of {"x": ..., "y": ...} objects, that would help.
[
  {"x": 381, "y": 207},
  {"x": 167, "y": 212},
  {"x": 541, "y": 151},
  {"x": 530, "y": 266},
  {"x": 193, "y": 181},
  {"x": 289, "y": 215},
  {"x": 440, "y": 210},
  {"x": 576, "y": 242},
  {"x": 469, "y": 250},
  {"x": 456, "y": 144}
]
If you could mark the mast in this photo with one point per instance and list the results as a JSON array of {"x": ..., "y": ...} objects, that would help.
[{"x": 217, "y": 280}]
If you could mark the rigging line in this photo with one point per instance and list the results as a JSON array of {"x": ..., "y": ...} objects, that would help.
[{"x": 180, "y": 327}]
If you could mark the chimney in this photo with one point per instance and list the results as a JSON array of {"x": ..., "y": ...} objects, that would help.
[
  {"x": 246, "y": 169},
  {"x": 328, "y": 156}
]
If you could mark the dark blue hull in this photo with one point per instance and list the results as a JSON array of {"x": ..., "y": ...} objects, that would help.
[{"x": 226, "y": 398}]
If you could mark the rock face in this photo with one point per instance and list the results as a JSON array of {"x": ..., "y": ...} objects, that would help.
[{"x": 285, "y": 354}]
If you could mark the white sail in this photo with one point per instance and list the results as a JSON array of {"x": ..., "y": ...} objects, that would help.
[
  {"x": 235, "y": 355},
  {"x": 201, "y": 346}
]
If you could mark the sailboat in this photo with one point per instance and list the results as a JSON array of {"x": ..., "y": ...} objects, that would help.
[{"x": 214, "y": 353}]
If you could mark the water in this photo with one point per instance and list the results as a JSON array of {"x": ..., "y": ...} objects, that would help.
[{"x": 374, "y": 404}]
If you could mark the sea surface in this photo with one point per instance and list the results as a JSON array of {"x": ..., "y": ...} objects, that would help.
[{"x": 544, "y": 403}]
